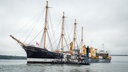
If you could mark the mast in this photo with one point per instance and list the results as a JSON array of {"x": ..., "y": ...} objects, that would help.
[
  {"x": 62, "y": 33},
  {"x": 82, "y": 35},
  {"x": 45, "y": 26},
  {"x": 81, "y": 49},
  {"x": 74, "y": 39},
  {"x": 22, "y": 44}
]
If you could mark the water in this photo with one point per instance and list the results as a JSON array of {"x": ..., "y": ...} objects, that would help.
[{"x": 118, "y": 64}]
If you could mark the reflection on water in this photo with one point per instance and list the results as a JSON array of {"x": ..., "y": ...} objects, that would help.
[{"x": 118, "y": 64}]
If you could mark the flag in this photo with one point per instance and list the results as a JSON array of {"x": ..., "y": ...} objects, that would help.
[{"x": 37, "y": 43}]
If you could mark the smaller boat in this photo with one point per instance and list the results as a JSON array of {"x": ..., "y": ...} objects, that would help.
[
  {"x": 99, "y": 57},
  {"x": 92, "y": 54},
  {"x": 104, "y": 57}
]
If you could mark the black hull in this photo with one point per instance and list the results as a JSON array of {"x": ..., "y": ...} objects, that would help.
[{"x": 36, "y": 52}]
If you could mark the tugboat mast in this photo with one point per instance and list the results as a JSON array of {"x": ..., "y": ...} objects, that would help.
[
  {"x": 82, "y": 35},
  {"x": 45, "y": 26},
  {"x": 81, "y": 49}
]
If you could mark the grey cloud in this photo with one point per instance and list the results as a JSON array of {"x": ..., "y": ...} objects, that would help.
[{"x": 104, "y": 21}]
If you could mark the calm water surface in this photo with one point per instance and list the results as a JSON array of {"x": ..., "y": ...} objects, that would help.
[{"x": 118, "y": 64}]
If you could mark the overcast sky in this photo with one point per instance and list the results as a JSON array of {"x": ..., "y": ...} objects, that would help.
[{"x": 104, "y": 21}]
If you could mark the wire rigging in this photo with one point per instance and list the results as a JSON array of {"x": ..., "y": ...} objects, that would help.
[
  {"x": 50, "y": 41},
  {"x": 66, "y": 43},
  {"x": 36, "y": 36}
]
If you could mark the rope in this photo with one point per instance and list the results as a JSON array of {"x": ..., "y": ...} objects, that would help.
[
  {"x": 58, "y": 44},
  {"x": 29, "y": 33},
  {"x": 50, "y": 41},
  {"x": 38, "y": 19},
  {"x": 51, "y": 27},
  {"x": 35, "y": 36},
  {"x": 55, "y": 41},
  {"x": 27, "y": 26},
  {"x": 66, "y": 43}
]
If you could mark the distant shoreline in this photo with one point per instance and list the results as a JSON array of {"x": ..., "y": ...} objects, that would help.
[
  {"x": 119, "y": 55},
  {"x": 12, "y": 57}
]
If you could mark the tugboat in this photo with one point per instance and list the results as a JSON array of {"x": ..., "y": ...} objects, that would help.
[
  {"x": 93, "y": 55},
  {"x": 104, "y": 57},
  {"x": 99, "y": 56}
]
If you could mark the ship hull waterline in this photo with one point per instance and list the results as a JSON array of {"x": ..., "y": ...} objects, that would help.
[{"x": 36, "y": 52}]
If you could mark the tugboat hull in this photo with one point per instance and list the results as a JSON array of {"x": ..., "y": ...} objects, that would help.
[{"x": 91, "y": 60}]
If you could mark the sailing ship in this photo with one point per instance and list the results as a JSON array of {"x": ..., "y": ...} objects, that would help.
[
  {"x": 38, "y": 52},
  {"x": 74, "y": 56}
]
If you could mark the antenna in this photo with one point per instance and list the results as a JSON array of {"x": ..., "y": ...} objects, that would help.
[
  {"x": 82, "y": 34},
  {"x": 103, "y": 46}
]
